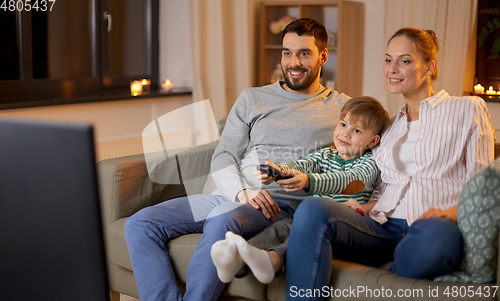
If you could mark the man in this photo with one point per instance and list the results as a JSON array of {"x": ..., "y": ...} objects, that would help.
[{"x": 279, "y": 122}]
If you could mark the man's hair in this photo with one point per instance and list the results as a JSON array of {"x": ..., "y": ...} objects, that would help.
[
  {"x": 308, "y": 27},
  {"x": 368, "y": 111}
]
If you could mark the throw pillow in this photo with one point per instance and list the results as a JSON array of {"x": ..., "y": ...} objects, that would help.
[{"x": 478, "y": 218}]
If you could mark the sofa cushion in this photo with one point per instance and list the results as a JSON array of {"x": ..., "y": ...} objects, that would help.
[
  {"x": 479, "y": 221},
  {"x": 125, "y": 187},
  {"x": 117, "y": 246},
  {"x": 352, "y": 281}
]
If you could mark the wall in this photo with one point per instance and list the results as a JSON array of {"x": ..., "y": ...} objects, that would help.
[
  {"x": 373, "y": 80},
  {"x": 112, "y": 120}
]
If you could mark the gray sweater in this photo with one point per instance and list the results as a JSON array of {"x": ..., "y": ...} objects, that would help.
[{"x": 269, "y": 123}]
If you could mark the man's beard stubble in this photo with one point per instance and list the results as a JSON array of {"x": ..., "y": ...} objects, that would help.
[{"x": 303, "y": 83}]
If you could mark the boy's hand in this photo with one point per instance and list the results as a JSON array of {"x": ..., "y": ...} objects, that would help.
[
  {"x": 352, "y": 203},
  {"x": 263, "y": 177},
  {"x": 297, "y": 182}
]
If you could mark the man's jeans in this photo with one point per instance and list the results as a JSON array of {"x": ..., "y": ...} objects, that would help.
[
  {"x": 148, "y": 230},
  {"x": 323, "y": 230}
]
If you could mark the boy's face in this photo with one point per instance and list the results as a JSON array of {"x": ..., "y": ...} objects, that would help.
[{"x": 351, "y": 139}]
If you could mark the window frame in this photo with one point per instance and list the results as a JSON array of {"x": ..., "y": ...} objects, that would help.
[{"x": 30, "y": 92}]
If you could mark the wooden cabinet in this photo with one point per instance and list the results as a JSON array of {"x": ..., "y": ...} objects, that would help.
[{"x": 344, "y": 21}]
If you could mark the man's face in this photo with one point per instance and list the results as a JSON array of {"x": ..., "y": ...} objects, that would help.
[{"x": 301, "y": 63}]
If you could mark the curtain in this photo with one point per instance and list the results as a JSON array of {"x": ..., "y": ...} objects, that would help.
[
  {"x": 222, "y": 33},
  {"x": 454, "y": 22}
]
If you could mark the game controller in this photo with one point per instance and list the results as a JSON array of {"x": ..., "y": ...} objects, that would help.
[{"x": 273, "y": 172}]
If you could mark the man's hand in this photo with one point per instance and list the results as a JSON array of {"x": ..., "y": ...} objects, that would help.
[
  {"x": 260, "y": 199},
  {"x": 450, "y": 213},
  {"x": 297, "y": 182},
  {"x": 353, "y": 204}
]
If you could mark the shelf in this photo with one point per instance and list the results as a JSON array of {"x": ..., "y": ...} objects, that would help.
[
  {"x": 113, "y": 94},
  {"x": 487, "y": 98}
]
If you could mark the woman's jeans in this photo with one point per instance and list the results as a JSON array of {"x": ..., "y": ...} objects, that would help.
[{"x": 323, "y": 229}]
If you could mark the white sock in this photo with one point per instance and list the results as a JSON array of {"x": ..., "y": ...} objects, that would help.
[
  {"x": 257, "y": 260},
  {"x": 226, "y": 259}
]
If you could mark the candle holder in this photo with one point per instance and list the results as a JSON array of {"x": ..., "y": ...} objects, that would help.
[
  {"x": 490, "y": 91},
  {"x": 146, "y": 85},
  {"x": 478, "y": 89},
  {"x": 136, "y": 87},
  {"x": 167, "y": 85}
]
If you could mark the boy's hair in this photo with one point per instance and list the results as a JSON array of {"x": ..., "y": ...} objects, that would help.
[
  {"x": 368, "y": 111},
  {"x": 308, "y": 27}
]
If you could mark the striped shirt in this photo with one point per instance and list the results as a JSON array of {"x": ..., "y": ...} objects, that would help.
[
  {"x": 329, "y": 175},
  {"x": 454, "y": 141}
]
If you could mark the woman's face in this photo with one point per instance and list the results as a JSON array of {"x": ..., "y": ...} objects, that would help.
[{"x": 405, "y": 70}]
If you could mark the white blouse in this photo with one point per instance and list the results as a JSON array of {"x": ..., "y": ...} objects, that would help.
[
  {"x": 404, "y": 159},
  {"x": 455, "y": 140}
]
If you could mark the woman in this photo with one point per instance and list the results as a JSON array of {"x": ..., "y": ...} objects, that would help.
[{"x": 434, "y": 144}]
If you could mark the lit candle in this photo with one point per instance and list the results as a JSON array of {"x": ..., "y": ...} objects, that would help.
[
  {"x": 490, "y": 91},
  {"x": 136, "y": 87},
  {"x": 478, "y": 89},
  {"x": 146, "y": 85},
  {"x": 167, "y": 85}
]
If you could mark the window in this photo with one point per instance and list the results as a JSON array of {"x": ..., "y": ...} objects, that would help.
[
  {"x": 488, "y": 50},
  {"x": 78, "y": 50}
]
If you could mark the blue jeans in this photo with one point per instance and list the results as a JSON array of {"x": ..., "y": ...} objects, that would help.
[
  {"x": 323, "y": 229},
  {"x": 148, "y": 230}
]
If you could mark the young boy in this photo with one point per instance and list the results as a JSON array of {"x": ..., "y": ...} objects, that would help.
[{"x": 345, "y": 174}]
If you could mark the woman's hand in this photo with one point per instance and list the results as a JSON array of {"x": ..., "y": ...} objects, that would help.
[
  {"x": 353, "y": 204},
  {"x": 450, "y": 213},
  {"x": 298, "y": 181},
  {"x": 263, "y": 177}
]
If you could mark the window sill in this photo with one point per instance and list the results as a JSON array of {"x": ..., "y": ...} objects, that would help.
[
  {"x": 62, "y": 98},
  {"x": 490, "y": 98}
]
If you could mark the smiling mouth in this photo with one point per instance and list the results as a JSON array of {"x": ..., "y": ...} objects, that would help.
[
  {"x": 296, "y": 73},
  {"x": 343, "y": 142},
  {"x": 395, "y": 80}
]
